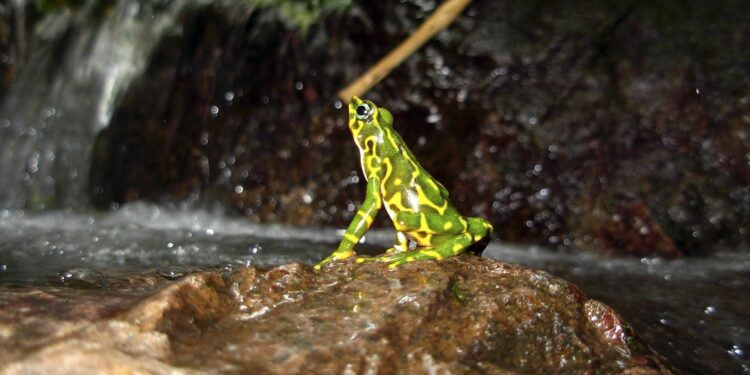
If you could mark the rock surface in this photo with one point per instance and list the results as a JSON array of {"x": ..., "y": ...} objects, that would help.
[{"x": 461, "y": 315}]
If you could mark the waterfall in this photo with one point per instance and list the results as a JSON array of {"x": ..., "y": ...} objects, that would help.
[{"x": 78, "y": 63}]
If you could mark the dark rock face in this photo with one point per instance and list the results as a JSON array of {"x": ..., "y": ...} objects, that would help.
[
  {"x": 461, "y": 315},
  {"x": 619, "y": 127}
]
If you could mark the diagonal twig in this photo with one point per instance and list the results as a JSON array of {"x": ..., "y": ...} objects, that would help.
[{"x": 439, "y": 20}]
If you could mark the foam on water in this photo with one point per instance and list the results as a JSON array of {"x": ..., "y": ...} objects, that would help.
[{"x": 143, "y": 237}]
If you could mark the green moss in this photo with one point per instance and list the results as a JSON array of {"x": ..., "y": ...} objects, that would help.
[
  {"x": 304, "y": 13},
  {"x": 461, "y": 294}
]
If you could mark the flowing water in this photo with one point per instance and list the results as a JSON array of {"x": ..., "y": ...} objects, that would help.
[
  {"x": 693, "y": 311},
  {"x": 79, "y": 63}
]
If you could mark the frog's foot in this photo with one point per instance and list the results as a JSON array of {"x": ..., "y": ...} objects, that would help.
[
  {"x": 394, "y": 250},
  {"x": 337, "y": 255},
  {"x": 395, "y": 259}
]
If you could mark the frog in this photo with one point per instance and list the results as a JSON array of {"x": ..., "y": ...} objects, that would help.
[{"x": 416, "y": 202}]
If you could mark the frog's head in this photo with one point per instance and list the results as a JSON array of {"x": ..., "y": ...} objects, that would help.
[{"x": 365, "y": 113}]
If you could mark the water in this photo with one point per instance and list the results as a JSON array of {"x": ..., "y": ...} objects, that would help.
[
  {"x": 692, "y": 311},
  {"x": 78, "y": 66},
  {"x": 140, "y": 237}
]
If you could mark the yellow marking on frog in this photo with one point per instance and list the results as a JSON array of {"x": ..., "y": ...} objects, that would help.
[
  {"x": 397, "y": 182},
  {"x": 351, "y": 238},
  {"x": 389, "y": 136},
  {"x": 477, "y": 238},
  {"x": 457, "y": 247},
  {"x": 388, "y": 166},
  {"x": 464, "y": 224},
  {"x": 395, "y": 203},
  {"x": 434, "y": 185},
  {"x": 367, "y": 218},
  {"x": 425, "y": 200},
  {"x": 433, "y": 254},
  {"x": 447, "y": 225},
  {"x": 423, "y": 225}
]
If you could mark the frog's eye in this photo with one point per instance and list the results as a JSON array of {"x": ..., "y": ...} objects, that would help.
[{"x": 363, "y": 111}]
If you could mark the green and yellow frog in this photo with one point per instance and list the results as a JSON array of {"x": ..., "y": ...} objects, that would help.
[{"x": 417, "y": 203}]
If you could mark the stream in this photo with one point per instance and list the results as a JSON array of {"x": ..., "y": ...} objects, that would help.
[{"x": 692, "y": 311}]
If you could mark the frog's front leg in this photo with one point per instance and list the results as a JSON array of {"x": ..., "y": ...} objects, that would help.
[
  {"x": 446, "y": 236},
  {"x": 359, "y": 225}
]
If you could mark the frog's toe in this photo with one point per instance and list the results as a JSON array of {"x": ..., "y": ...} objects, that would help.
[
  {"x": 398, "y": 262},
  {"x": 394, "y": 260},
  {"x": 332, "y": 257},
  {"x": 365, "y": 259}
]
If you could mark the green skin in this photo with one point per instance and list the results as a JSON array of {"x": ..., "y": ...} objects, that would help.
[{"x": 417, "y": 203}]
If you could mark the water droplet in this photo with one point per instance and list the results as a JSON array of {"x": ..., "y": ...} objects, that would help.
[
  {"x": 462, "y": 94},
  {"x": 255, "y": 248},
  {"x": 434, "y": 117},
  {"x": 229, "y": 96},
  {"x": 338, "y": 104},
  {"x": 710, "y": 310},
  {"x": 210, "y": 231},
  {"x": 171, "y": 273},
  {"x": 299, "y": 86},
  {"x": 48, "y": 112},
  {"x": 214, "y": 110},
  {"x": 737, "y": 351},
  {"x": 239, "y": 189}
]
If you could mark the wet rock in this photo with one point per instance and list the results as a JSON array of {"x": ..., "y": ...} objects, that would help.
[{"x": 461, "y": 315}]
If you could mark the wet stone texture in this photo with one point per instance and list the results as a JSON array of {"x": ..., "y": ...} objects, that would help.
[{"x": 461, "y": 315}]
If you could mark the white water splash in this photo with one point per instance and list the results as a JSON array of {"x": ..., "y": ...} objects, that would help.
[{"x": 78, "y": 65}]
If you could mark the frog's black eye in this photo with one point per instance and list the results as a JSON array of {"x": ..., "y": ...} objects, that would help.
[{"x": 363, "y": 110}]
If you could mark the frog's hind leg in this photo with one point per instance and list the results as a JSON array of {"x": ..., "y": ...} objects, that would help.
[{"x": 464, "y": 233}]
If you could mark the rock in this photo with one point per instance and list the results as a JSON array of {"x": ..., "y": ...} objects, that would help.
[{"x": 461, "y": 315}]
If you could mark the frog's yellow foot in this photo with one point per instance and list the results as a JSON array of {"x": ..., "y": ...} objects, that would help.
[
  {"x": 400, "y": 259},
  {"x": 365, "y": 259},
  {"x": 393, "y": 250},
  {"x": 397, "y": 258},
  {"x": 337, "y": 255}
]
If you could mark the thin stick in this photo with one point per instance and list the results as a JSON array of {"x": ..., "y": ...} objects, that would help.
[{"x": 440, "y": 19}]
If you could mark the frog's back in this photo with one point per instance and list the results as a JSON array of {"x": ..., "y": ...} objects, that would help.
[{"x": 407, "y": 183}]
